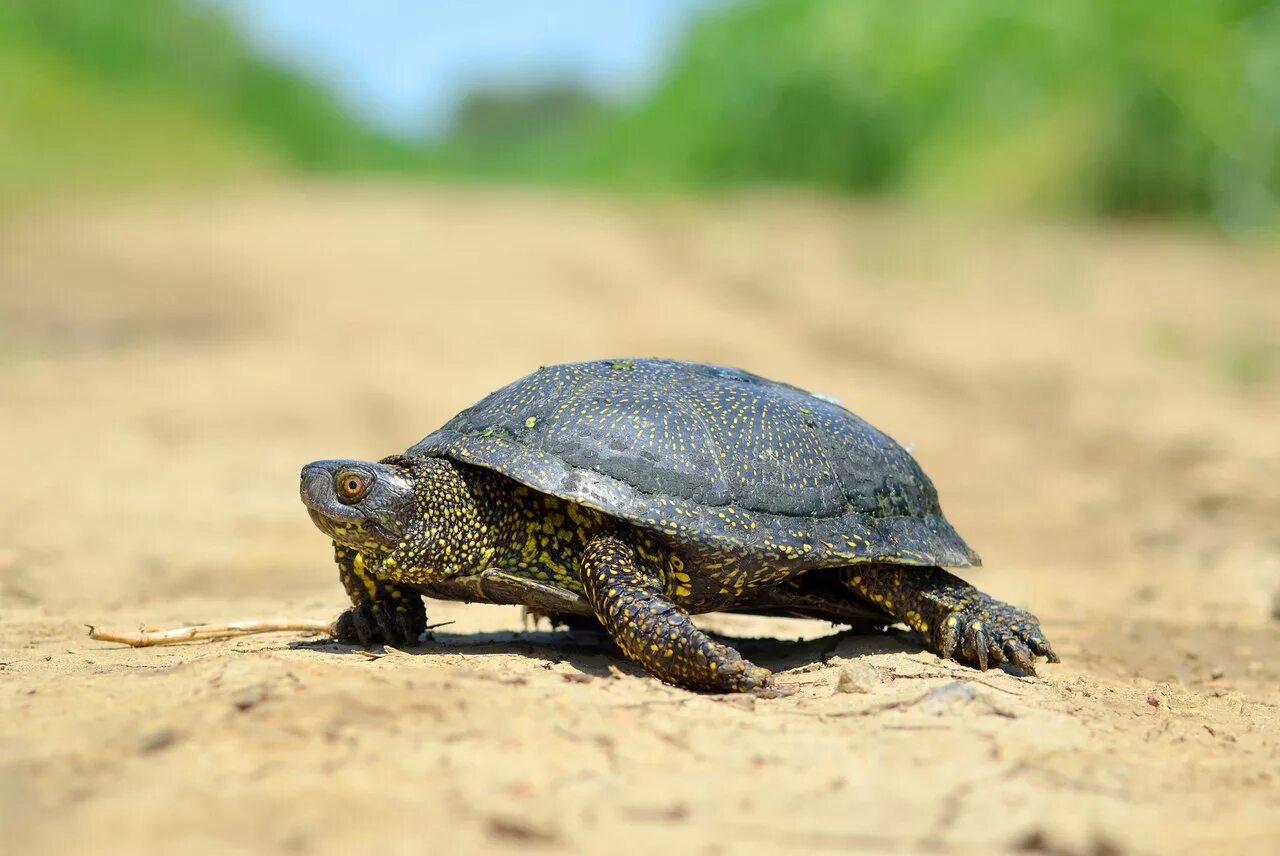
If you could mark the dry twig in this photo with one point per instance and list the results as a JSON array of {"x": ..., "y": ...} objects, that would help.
[{"x": 146, "y": 636}]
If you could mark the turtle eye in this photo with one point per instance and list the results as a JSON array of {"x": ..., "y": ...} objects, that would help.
[{"x": 352, "y": 486}]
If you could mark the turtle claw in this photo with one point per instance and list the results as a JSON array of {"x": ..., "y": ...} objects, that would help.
[
  {"x": 379, "y": 621},
  {"x": 948, "y": 640},
  {"x": 355, "y": 625},
  {"x": 409, "y": 627},
  {"x": 1041, "y": 646},
  {"x": 978, "y": 643},
  {"x": 1017, "y": 654},
  {"x": 734, "y": 674},
  {"x": 754, "y": 679},
  {"x": 773, "y": 689},
  {"x": 387, "y": 628},
  {"x": 984, "y": 631}
]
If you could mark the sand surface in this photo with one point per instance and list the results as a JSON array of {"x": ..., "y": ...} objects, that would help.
[{"x": 1078, "y": 396}]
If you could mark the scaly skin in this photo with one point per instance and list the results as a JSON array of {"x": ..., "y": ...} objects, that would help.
[
  {"x": 380, "y": 611},
  {"x": 438, "y": 520},
  {"x": 476, "y": 519},
  {"x": 654, "y": 631},
  {"x": 956, "y": 620}
]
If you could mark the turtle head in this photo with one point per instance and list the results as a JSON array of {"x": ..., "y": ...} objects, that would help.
[
  {"x": 360, "y": 504},
  {"x": 417, "y": 516}
]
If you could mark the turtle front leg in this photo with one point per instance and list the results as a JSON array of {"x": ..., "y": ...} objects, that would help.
[
  {"x": 380, "y": 611},
  {"x": 654, "y": 631},
  {"x": 957, "y": 621}
]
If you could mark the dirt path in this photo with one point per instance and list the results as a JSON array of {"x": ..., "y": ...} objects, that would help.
[{"x": 1094, "y": 408}]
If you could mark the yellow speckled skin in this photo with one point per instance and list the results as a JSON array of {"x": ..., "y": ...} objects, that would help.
[
  {"x": 660, "y": 489},
  {"x": 380, "y": 609},
  {"x": 652, "y": 630},
  {"x": 473, "y": 519},
  {"x": 956, "y": 619}
]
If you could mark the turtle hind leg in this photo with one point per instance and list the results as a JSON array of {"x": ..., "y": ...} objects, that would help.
[
  {"x": 653, "y": 630},
  {"x": 957, "y": 621}
]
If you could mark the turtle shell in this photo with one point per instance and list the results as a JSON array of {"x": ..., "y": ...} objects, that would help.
[{"x": 710, "y": 457}]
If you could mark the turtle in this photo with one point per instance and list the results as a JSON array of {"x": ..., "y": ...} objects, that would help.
[{"x": 637, "y": 493}]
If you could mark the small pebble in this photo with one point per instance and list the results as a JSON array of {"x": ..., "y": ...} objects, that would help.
[
  {"x": 157, "y": 740},
  {"x": 522, "y": 830},
  {"x": 250, "y": 697},
  {"x": 857, "y": 677}
]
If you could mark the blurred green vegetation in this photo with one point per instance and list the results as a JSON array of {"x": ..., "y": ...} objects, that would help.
[
  {"x": 1244, "y": 356},
  {"x": 1075, "y": 107},
  {"x": 543, "y": 132},
  {"x": 96, "y": 94},
  {"x": 1059, "y": 107},
  {"x": 1250, "y": 359}
]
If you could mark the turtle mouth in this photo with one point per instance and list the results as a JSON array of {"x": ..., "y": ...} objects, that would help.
[
  {"x": 353, "y": 530},
  {"x": 318, "y": 519}
]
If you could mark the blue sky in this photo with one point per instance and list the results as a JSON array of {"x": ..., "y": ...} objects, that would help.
[{"x": 402, "y": 65}]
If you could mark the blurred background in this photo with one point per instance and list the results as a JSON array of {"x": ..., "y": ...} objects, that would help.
[
  {"x": 1064, "y": 109},
  {"x": 1036, "y": 241}
]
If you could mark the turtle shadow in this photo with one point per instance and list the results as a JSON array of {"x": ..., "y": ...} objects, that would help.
[
  {"x": 594, "y": 653},
  {"x": 589, "y": 653},
  {"x": 782, "y": 655}
]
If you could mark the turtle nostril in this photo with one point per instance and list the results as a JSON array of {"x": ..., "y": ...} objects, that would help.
[{"x": 314, "y": 484}]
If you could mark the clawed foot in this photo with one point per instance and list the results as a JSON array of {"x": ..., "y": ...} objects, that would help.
[
  {"x": 986, "y": 631},
  {"x": 382, "y": 621},
  {"x": 745, "y": 677},
  {"x": 730, "y": 673}
]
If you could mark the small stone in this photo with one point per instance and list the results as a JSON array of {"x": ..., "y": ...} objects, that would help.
[
  {"x": 524, "y": 830},
  {"x": 857, "y": 677},
  {"x": 250, "y": 697},
  {"x": 157, "y": 740}
]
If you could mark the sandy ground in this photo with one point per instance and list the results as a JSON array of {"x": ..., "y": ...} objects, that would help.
[{"x": 167, "y": 366}]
